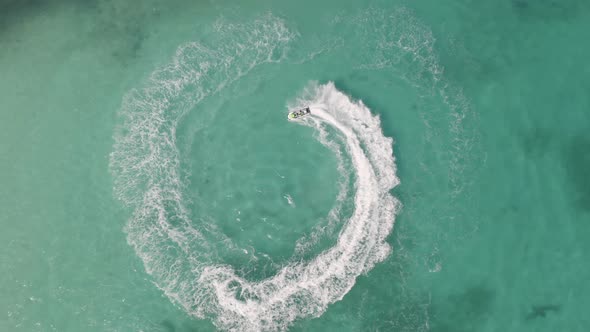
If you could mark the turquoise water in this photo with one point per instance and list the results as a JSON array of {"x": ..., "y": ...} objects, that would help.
[{"x": 151, "y": 182}]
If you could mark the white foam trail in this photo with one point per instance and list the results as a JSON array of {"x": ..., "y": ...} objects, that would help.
[
  {"x": 145, "y": 160},
  {"x": 393, "y": 36},
  {"x": 307, "y": 288},
  {"x": 289, "y": 200},
  {"x": 175, "y": 249}
]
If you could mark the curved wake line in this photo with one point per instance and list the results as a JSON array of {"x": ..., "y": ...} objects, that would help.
[
  {"x": 146, "y": 165},
  {"x": 306, "y": 289}
]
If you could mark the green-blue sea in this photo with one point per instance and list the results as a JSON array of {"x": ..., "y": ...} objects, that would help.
[{"x": 151, "y": 181}]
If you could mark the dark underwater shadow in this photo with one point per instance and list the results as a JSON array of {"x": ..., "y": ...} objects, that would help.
[
  {"x": 576, "y": 161},
  {"x": 549, "y": 10},
  {"x": 541, "y": 311},
  {"x": 465, "y": 310},
  {"x": 119, "y": 28}
]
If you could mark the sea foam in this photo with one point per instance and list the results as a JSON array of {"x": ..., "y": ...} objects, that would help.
[{"x": 145, "y": 163}]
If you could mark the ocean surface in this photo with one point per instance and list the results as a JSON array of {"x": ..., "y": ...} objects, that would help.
[{"x": 150, "y": 179}]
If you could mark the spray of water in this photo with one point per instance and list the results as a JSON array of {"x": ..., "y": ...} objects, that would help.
[{"x": 146, "y": 166}]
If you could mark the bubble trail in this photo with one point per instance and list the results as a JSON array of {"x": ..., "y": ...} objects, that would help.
[{"x": 175, "y": 251}]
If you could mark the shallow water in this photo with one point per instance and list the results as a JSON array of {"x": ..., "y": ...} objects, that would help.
[{"x": 151, "y": 181}]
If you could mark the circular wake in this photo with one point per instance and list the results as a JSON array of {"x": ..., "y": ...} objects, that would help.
[
  {"x": 175, "y": 250},
  {"x": 306, "y": 288}
]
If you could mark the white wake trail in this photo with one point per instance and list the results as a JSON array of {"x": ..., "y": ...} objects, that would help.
[
  {"x": 307, "y": 288},
  {"x": 175, "y": 249}
]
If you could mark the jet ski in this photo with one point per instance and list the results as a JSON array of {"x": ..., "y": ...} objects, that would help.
[{"x": 299, "y": 113}]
